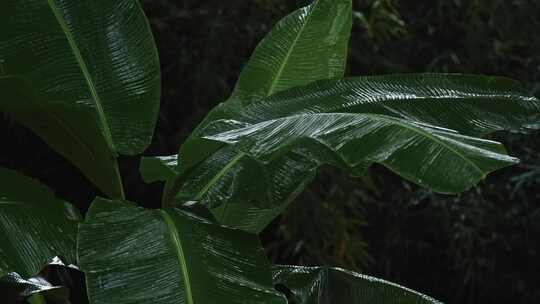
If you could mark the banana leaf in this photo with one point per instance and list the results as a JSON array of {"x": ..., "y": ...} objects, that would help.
[
  {"x": 57, "y": 283},
  {"x": 170, "y": 256},
  {"x": 35, "y": 226},
  {"x": 95, "y": 70},
  {"x": 327, "y": 285},
  {"x": 408, "y": 123},
  {"x": 307, "y": 45}
]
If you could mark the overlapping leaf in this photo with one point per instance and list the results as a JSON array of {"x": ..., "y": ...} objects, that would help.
[
  {"x": 473, "y": 105},
  {"x": 15, "y": 289},
  {"x": 57, "y": 283},
  {"x": 325, "y": 285},
  {"x": 310, "y": 44},
  {"x": 85, "y": 147},
  {"x": 170, "y": 256},
  {"x": 35, "y": 227},
  {"x": 470, "y": 104},
  {"x": 158, "y": 168},
  {"x": 93, "y": 65},
  {"x": 440, "y": 159},
  {"x": 245, "y": 193},
  {"x": 394, "y": 120}
]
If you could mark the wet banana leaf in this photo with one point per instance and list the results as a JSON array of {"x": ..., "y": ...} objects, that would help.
[
  {"x": 310, "y": 44},
  {"x": 471, "y": 104},
  {"x": 15, "y": 289},
  {"x": 325, "y": 285},
  {"x": 158, "y": 168},
  {"x": 474, "y": 105},
  {"x": 35, "y": 226},
  {"x": 85, "y": 147},
  {"x": 170, "y": 256},
  {"x": 440, "y": 159},
  {"x": 215, "y": 184},
  {"x": 87, "y": 59},
  {"x": 57, "y": 283},
  {"x": 246, "y": 193},
  {"x": 161, "y": 169},
  {"x": 291, "y": 54}
]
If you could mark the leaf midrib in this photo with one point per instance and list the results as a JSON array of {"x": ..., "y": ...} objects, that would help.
[
  {"x": 86, "y": 73},
  {"x": 177, "y": 242},
  {"x": 221, "y": 172},
  {"x": 396, "y": 121},
  {"x": 273, "y": 85},
  {"x": 271, "y": 90}
]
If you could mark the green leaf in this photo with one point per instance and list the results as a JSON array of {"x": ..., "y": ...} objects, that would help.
[
  {"x": 440, "y": 159},
  {"x": 87, "y": 58},
  {"x": 471, "y": 104},
  {"x": 16, "y": 289},
  {"x": 244, "y": 193},
  {"x": 85, "y": 147},
  {"x": 391, "y": 120},
  {"x": 392, "y": 112},
  {"x": 310, "y": 44},
  {"x": 35, "y": 226},
  {"x": 37, "y": 299},
  {"x": 326, "y": 285},
  {"x": 170, "y": 256},
  {"x": 158, "y": 168}
]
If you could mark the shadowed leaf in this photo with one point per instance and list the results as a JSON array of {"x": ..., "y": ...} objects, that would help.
[
  {"x": 326, "y": 285},
  {"x": 169, "y": 256},
  {"x": 95, "y": 71}
]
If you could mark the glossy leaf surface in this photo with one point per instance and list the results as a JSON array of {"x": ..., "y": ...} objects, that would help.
[
  {"x": 471, "y": 104},
  {"x": 35, "y": 226},
  {"x": 308, "y": 45},
  {"x": 85, "y": 147},
  {"x": 246, "y": 193},
  {"x": 158, "y": 168},
  {"x": 15, "y": 289},
  {"x": 57, "y": 283},
  {"x": 393, "y": 120},
  {"x": 135, "y": 255},
  {"x": 440, "y": 159},
  {"x": 325, "y": 285},
  {"x": 87, "y": 60}
]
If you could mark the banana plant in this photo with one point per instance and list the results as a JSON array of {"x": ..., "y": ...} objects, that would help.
[{"x": 84, "y": 76}]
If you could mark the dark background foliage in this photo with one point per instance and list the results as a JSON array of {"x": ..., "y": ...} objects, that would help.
[{"x": 480, "y": 247}]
